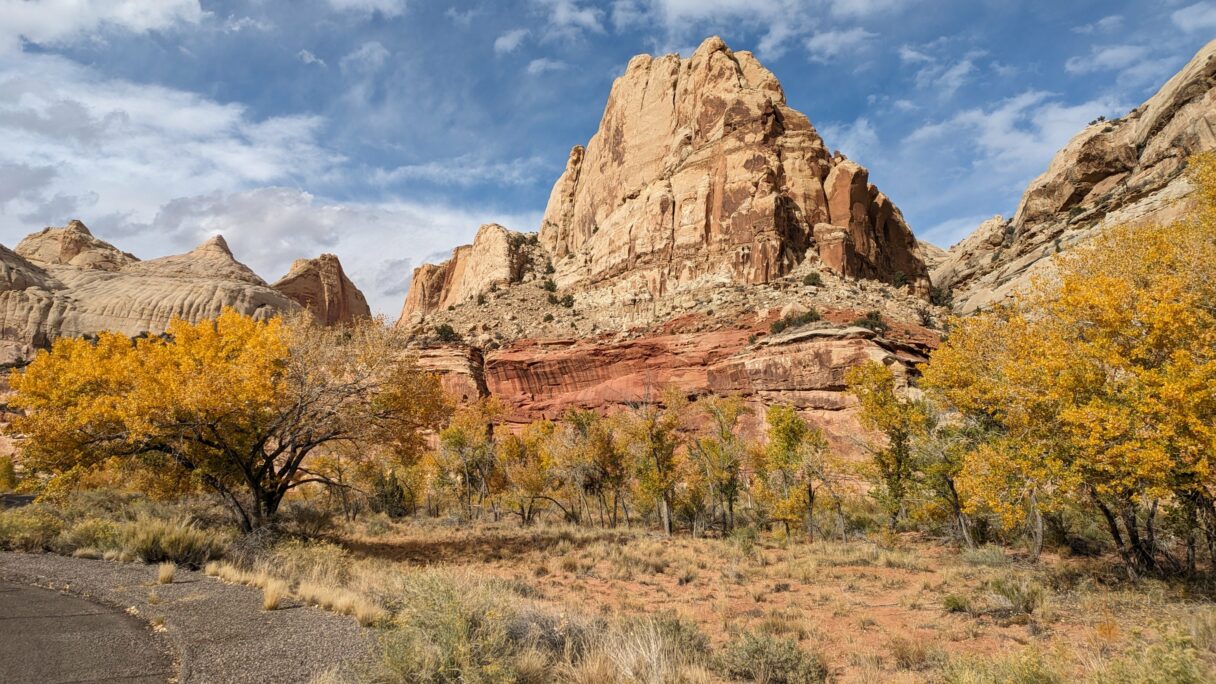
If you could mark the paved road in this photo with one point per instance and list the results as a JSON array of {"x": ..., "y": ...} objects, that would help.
[{"x": 49, "y": 637}]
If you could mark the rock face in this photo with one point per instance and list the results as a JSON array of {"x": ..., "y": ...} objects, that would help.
[
  {"x": 804, "y": 368},
  {"x": 65, "y": 282},
  {"x": 321, "y": 287},
  {"x": 699, "y": 176},
  {"x": 496, "y": 257},
  {"x": 1113, "y": 172}
]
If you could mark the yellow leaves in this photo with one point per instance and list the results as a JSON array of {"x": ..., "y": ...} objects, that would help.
[{"x": 1101, "y": 380}]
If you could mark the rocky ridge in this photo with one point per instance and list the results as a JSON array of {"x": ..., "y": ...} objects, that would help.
[
  {"x": 66, "y": 282},
  {"x": 1113, "y": 172}
]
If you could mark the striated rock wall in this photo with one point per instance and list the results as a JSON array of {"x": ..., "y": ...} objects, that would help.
[
  {"x": 321, "y": 287},
  {"x": 1113, "y": 172},
  {"x": 804, "y": 368}
]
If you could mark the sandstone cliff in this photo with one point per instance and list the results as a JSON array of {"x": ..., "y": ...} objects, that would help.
[
  {"x": 1113, "y": 172},
  {"x": 66, "y": 282},
  {"x": 699, "y": 176},
  {"x": 322, "y": 288}
]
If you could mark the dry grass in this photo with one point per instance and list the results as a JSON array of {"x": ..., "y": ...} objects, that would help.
[
  {"x": 165, "y": 572},
  {"x": 273, "y": 592}
]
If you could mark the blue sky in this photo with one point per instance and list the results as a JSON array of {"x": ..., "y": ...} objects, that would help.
[{"x": 386, "y": 131}]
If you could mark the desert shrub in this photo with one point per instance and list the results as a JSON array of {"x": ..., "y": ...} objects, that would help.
[
  {"x": 446, "y": 333},
  {"x": 481, "y": 299},
  {"x": 157, "y": 541},
  {"x": 1172, "y": 660},
  {"x": 913, "y": 654},
  {"x": 813, "y": 279},
  {"x": 953, "y": 603},
  {"x": 941, "y": 296},
  {"x": 990, "y": 556},
  {"x": 1017, "y": 595},
  {"x": 872, "y": 321},
  {"x": 549, "y": 285},
  {"x": 90, "y": 533},
  {"x": 306, "y": 520},
  {"x": 759, "y": 658},
  {"x": 794, "y": 321},
  {"x": 548, "y": 318},
  {"x": 1027, "y": 667},
  {"x": 567, "y": 301},
  {"x": 28, "y": 529}
]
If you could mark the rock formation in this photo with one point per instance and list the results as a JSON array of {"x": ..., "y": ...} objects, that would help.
[
  {"x": 66, "y": 282},
  {"x": 496, "y": 257},
  {"x": 322, "y": 288},
  {"x": 699, "y": 176},
  {"x": 703, "y": 210},
  {"x": 1113, "y": 172}
]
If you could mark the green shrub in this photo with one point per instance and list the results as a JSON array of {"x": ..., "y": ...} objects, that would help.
[
  {"x": 758, "y": 658},
  {"x": 954, "y": 603},
  {"x": 549, "y": 285},
  {"x": 446, "y": 333},
  {"x": 813, "y": 279},
  {"x": 28, "y": 529},
  {"x": 567, "y": 301},
  {"x": 794, "y": 321},
  {"x": 157, "y": 541},
  {"x": 873, "y": 321}
]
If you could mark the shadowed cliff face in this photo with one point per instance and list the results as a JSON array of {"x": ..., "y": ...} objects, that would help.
[
  {"x": 1113, "y": 172},
  {"x": 699, "y": 176}
]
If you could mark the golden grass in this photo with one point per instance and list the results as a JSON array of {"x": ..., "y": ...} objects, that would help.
[
  {"x": 273, "y": 592},
  {"x": 165, "y": 572}
]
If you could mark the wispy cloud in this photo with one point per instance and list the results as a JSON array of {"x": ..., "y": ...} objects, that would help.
[
  {"x": 829, "y": 45},
  {"x": 307, "y": 57},
  {"x": 510, "y": 41},
  {"x": 543, "y": 65},
  {"x": 1200, "y": 16}
]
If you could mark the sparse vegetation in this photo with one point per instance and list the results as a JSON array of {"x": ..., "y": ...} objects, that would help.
[
  {"x": 813, "y": 279},
  {"x": 794, "y": 321},
  {"x": 872, "y": 320}
]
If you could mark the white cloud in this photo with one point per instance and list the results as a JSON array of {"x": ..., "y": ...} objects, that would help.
[
  {"x": 1022, "y": 132},
  {"x": 857, "y": 140},
  {"x": 866, "y": 8},
  {"x": 308, "y": 57},
  {"x": 157, "y": 170},
  {"x": 1200, "y": 16},
  {"x": 829, "y": 45},
  {"x": 1106, "y": 58},
  {"x": 465, "y": 170},
  {"x": 61, "y": 21},
  {"x": 567, "y": 19},
  {"x": 389, "y": 8},
  {"x": 463, "y": 19},
  {"x": 911, "y": 55},
  {"x": 237, "y": 24},
  {"x": 368, "y": 58},
  {"x": 544, "y": 65},
  {"x": 510, "y": 41},
  {"x": 1108, "y": 24}
]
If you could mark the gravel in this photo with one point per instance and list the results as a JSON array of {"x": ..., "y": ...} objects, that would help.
[{"x": 218, "y": 632}]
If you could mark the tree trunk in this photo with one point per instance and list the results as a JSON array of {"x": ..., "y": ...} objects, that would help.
[{"x": 1036, "y": 526}]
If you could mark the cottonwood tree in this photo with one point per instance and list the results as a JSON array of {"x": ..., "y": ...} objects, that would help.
[
  {"x": 899, "y": 419},
  {"x": 1103, "y": 383},
  {"x": 792, "y": 467},
  {"x": 651, "y": 437},
  {"x": 238, "y": 406}
]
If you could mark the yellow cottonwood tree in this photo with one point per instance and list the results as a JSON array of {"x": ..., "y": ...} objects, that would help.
[
  {"x": 1102, "y": 381},
  {"x": 234, "y": 405}
]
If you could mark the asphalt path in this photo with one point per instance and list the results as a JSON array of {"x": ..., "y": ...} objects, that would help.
[{"x": 49, "y": 637}]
